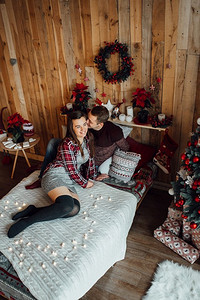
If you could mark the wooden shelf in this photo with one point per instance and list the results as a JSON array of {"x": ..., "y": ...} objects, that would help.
[{"x": 132, "y": 124}]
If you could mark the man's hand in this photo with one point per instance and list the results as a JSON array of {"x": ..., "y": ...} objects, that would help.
[
  {"x": 89, "y": 184},
  {"x": 101, "y": 177}
]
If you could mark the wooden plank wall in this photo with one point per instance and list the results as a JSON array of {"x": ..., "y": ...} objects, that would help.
[{"x": 48, "y": 37}]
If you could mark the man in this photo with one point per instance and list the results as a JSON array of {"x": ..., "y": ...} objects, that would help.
[{"x": 107, "y": 137}]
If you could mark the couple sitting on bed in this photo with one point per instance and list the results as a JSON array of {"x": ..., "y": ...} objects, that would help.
[{"x": 62, "y": 177}]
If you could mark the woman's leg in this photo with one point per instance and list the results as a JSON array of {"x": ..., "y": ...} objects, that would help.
[{"x": 64, "y": 205}]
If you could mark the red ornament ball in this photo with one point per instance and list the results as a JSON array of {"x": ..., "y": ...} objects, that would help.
[
  {"x": 195, "y": 159},
  {"x": 184, "y": 217},
  {"x": 183, "y": 156},
  {"x": 198, "y": 211},
  {"x": 193, "y": 225},
  {"x": 189, "y": 144},
  {"x": 196, "y": 142},
  {"x": 187, "y": 161},
  {"x": 197, "y": 199}
]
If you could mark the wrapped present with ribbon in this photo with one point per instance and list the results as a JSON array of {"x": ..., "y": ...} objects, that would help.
[
  {"x": 195, "y": 238},
  {"x": 176, "y": 244},
  {"x": 174, "y": 212},
  {"x": 186, "y": 231},
  {"x": 173, "y": 225}
]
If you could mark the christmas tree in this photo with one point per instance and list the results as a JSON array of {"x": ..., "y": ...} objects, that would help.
[{"x": 186, "y": 188}]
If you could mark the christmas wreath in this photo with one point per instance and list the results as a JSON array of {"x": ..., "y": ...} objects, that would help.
[{"x": 126, "y": 65}]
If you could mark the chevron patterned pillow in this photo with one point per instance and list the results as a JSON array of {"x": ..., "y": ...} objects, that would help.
[{"x": 123, "y": 165}]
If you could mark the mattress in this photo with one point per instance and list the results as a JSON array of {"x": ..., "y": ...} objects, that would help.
[{"x": 62, "y": 259}]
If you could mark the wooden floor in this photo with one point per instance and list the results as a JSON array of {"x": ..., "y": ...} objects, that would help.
[{"x": 130, "y": 278}]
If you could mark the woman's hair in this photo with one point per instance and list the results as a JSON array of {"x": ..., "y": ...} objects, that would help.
[
  {"x": 101, "y": 113},
  {"x": 71, "y": 134}
]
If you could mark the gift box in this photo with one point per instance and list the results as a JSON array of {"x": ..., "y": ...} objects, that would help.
[
  {"x": 186, "y": 231},
  {"x": 195, "y": 238},
  {"x": 174, "y": 212},
  {"x": 176, "y": 244},
  {"x": 174, "y": 226}
]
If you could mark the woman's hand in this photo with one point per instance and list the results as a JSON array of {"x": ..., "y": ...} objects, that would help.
[
  {"x": 89, "y": 184},
  {"x": 101, "y": 177}
]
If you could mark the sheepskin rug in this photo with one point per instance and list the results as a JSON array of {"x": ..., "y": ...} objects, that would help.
[{"x": 174, "y": 282}]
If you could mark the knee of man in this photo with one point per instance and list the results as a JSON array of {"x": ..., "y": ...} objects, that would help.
[{"x": 53, "y": 144}]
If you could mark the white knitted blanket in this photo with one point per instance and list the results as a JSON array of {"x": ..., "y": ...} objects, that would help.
[{"x": 62, "y": 259}]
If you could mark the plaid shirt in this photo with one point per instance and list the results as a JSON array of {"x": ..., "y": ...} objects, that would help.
[{"x": 67, "y": 157}]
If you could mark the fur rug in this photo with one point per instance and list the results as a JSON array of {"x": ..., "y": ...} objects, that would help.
[{"x": 174, "y": 282}]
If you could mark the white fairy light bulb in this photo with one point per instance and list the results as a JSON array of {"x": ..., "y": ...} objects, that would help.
[
  {"x": 48, "y": 246},
  {"x": 19, "y": 208},
  {"x": 62, "y": 245},
  {"x": 10, "y": 249},
  {"x": 1, "y": 215},
  {"x": 54, "y": 263},
  {"x": 91, "y": 230},
  {"x": 45, "y": 249},
  {"x": 74, "y": 242},
  {"x": 84, "y": 212},
  {"x": 28, "y": 244},
  {"x": 97, "y": 198},
  {"x": 85, "y": 236},
  {"x": 109, "y": 199},
  {"x": 24, "y": 204},
  {"x": 54, "y": 253},
  {"x": 6, "y": 207},
  {"x": 101, "y": 197},
  {"x": 30, "y": 269},
  {"x": 84, "y": 245},
  {"x": 16, "y": 203},
  {"x": 74, "y": 247},
  {"x": 38, "y": 247},
  {"x": 93, "y": 222},
  {"x": 16, "y": 242},
  {"x": 7, "y": 201},
  {"x": 21, "y": 263},
  {"x": 91, "y": 195},
  {"x": 85, "y": 218},
  {"x": 21, "y": 241},
  {"x": 66, "y": 258},
  {"x": 21, "y": 255},
  {"x": 43, "y": 266}
]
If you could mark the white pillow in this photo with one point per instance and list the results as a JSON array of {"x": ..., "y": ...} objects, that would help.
[
  {"x": 123, "y": 165},
  {"x": 126, "y": 130},
  {"x": 105, "y": 166}
]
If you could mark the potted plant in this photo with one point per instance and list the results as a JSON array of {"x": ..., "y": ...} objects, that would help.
[
  {"x": 15, "y": 123},
  {"x": 142, "y": 99}
]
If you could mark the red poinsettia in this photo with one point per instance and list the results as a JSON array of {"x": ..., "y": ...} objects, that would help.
[
  {"x": 15, "y": 121},
  {"x": 142, "y": 98}
]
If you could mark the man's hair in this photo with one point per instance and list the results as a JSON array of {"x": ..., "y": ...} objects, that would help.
[{"x": 101, "y": 113}]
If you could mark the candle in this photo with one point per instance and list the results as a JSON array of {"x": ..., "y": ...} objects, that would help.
[
  {"x": 69, "y": 106},
  {"x": 130, "y": 111},
  {"x": 122, "y": 117},
  {"x": 161, "y": 117}
]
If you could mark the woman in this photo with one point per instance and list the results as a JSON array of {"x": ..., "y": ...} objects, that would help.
[{"x": 63, "y": 178}]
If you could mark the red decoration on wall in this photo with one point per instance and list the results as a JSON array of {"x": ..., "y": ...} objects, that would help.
[{"x": 193, "y": 225}]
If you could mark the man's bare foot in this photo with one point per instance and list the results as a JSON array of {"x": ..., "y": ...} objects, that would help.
[
  {"x": 34, "y": 185},
  {"x": 101, "y": 177}
]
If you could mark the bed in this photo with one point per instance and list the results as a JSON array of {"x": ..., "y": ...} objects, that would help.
[
  {"x": 63, "y": 259},
  {"x": 77, "y": 251}
]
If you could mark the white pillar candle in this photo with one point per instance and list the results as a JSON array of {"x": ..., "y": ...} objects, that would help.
[
  {"x": 161, "y": 117},
  {"x": 130, "y": 111},
  {"x": 122, "y": 117},
  {"x": 69, "y": 106}
]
